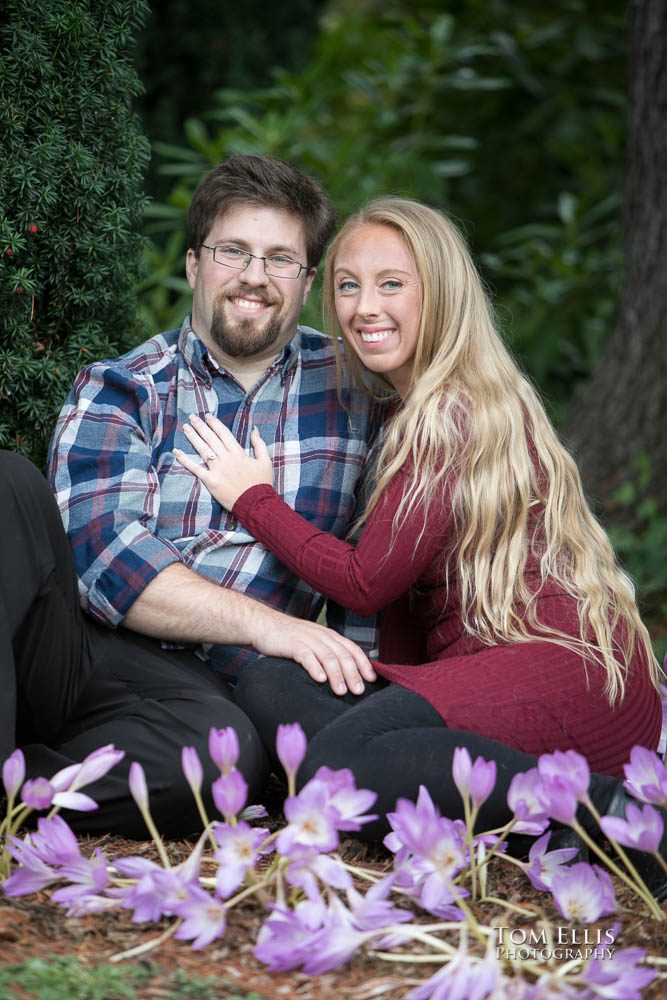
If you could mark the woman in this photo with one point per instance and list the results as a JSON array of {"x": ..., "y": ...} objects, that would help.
[{"x": 477, "y": 530}]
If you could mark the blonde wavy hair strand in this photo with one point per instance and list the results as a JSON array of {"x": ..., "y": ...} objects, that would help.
[{"x": 471, "y": 412}]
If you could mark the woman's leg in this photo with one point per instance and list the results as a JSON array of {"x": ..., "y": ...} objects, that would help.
[
  {"x": 391, "y": 738},
  {"x": 272, "y": 691}
]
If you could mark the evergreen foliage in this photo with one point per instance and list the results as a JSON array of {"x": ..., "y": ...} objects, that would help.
[
  {"x": 507, "y": 114},
  {"x": 70, "y": 202}
]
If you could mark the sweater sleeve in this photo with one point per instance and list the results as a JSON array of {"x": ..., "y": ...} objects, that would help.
[{"x": 364, "y": 577}]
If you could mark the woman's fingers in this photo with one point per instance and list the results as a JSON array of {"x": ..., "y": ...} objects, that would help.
[
  {"x": 223, "y": 433},
  {"x": 189, "y": 463},
  {"x": 262, "y": 455}
]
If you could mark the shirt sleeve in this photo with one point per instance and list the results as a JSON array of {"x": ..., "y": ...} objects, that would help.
[
  {"x": 365, "y": 577},
  {"x": 101, "y": 468}
]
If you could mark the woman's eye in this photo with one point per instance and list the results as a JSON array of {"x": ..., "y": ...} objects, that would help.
[
  {"x": 347, "y": 286},
  {"x": 392, "y": 285}
]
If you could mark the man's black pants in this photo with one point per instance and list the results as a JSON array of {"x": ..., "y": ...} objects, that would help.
[{"x": 70, "y": 686}]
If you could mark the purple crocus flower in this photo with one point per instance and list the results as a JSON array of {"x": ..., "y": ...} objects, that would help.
[
  {"x": 646, "y": 777},
  {"x": 642, "y": 828},
  {"x": 543, "y": 865},
  {"x": 345, "y": 798},
  {"x": 192, "y": 768},
  {"x": 430, "y": 851},
  {"x": 568, "y": 767},
  {"x": 239, "y": 848},
  {"x": 92, "y": 768},
  {"x": 157, "y": 892},
  {"x": 336, "y": 941},
  {"x": 311, "y": 820},
  {"x": 138, "y": 786},
  {"x": 32, "y": 873},
  {"x": 565, "y": 779},
  {"x": 526, "y": 800},
  {"x": 583, "y": 892},
  {"x": 285, "y": 938},
  {"x": 230, "y": 792},
  {"x": 476, "y": 780},
  {"x": 204, "y": 918},
  {"x": 462, "y": 977},
  {"x": 291, "y": 747},
  {"x": 619, "y": 976},
  {"x": 54, "y": 842},
  {"x": 13, "y": 773},
  {"x": 223, "y": 746},
  {"x": 307, "y": 868},
  {"x": 38, "y": 793},
  {"x": 89, "y": 878},
  {"x": 375, "y": 911}
]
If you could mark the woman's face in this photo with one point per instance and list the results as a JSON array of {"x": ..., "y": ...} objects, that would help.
[{"x": 377, "y": 294}]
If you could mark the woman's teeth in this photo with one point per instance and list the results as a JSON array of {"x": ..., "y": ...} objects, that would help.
[{"x": 373, "y": 338}]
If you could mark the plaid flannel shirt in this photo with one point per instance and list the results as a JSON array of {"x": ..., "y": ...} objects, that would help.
[{"x": 130, "y": 509}]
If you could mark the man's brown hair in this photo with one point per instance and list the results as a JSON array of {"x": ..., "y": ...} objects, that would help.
[{"x": 265, "y": 181}]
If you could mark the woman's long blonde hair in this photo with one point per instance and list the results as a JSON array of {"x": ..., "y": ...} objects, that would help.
[{"x": 472, "y": 419}]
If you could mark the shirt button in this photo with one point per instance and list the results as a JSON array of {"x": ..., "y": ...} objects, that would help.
[{"x": 248, "y": 404}]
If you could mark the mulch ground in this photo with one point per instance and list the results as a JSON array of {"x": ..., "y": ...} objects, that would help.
[{"x": 33, "y": 926}]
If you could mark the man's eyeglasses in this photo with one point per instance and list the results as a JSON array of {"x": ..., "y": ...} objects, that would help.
[{"x": 277, "y": 265}]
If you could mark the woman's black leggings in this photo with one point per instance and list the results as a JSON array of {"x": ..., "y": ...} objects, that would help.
[{"x": 392, "y": 740}]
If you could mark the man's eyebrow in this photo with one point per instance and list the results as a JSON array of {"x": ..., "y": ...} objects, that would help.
[{"x": 269, "y": 251}]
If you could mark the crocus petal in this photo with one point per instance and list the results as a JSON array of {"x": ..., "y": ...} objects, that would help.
[
  {"x": 642, "y": 829},
  {"x": 192, "y": 768},
  {"x": 461, "y": 768},
  {"x": 138, "y": 786},
  {"x": 96, "y": 765},
  {"x": 38, "y": 793},
  {"x": 230, "y": 792},
  {"x": 223, "y": 746},
  {"x": 13, "y": 773},
  {"x": 291, "y": 746},
  {"x": 646, "y": 776},
  {"x": 74, "y": 800}
]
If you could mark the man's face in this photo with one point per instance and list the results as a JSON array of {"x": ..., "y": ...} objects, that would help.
[{"x": 248, "y": 314}]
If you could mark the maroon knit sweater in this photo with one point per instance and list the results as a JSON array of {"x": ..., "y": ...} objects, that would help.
[{"x": 536, "y": 696}]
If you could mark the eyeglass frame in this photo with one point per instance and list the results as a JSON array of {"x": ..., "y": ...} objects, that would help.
[{"x": 253, "y": 256}]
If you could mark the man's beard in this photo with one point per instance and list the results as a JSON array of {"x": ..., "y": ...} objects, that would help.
[{"x": 243, "y": 338}]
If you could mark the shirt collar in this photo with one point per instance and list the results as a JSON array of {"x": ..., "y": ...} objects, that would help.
[{"x": 197, "y": 355}]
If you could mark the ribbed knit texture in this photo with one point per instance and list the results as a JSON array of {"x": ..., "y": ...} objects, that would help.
[{"x": 535, "y": 696}]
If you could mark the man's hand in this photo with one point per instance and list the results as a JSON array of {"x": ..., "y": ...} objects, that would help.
[
  {"x": 227, "y": 471},
  {"x": 323, "y": 653},
  {"x": 180, "y": 605}
]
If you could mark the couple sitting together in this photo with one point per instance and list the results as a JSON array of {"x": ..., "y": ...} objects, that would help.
[{"x": 210, "y": 481}]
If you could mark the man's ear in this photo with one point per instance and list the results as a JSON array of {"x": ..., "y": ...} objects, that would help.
[
  {"x": 191, "y": 267},
  {"x": 310, "y": 278}
]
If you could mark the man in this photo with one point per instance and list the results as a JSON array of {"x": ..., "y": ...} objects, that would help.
[{"x": 154, "y": 553}]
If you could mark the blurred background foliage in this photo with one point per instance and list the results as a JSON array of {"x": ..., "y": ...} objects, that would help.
[{"x": 509, "y": 115}]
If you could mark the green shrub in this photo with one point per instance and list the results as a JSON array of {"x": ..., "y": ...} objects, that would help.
[
  {"x": 508, "y": 115},
  {"x": 70, "y": 202}
]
